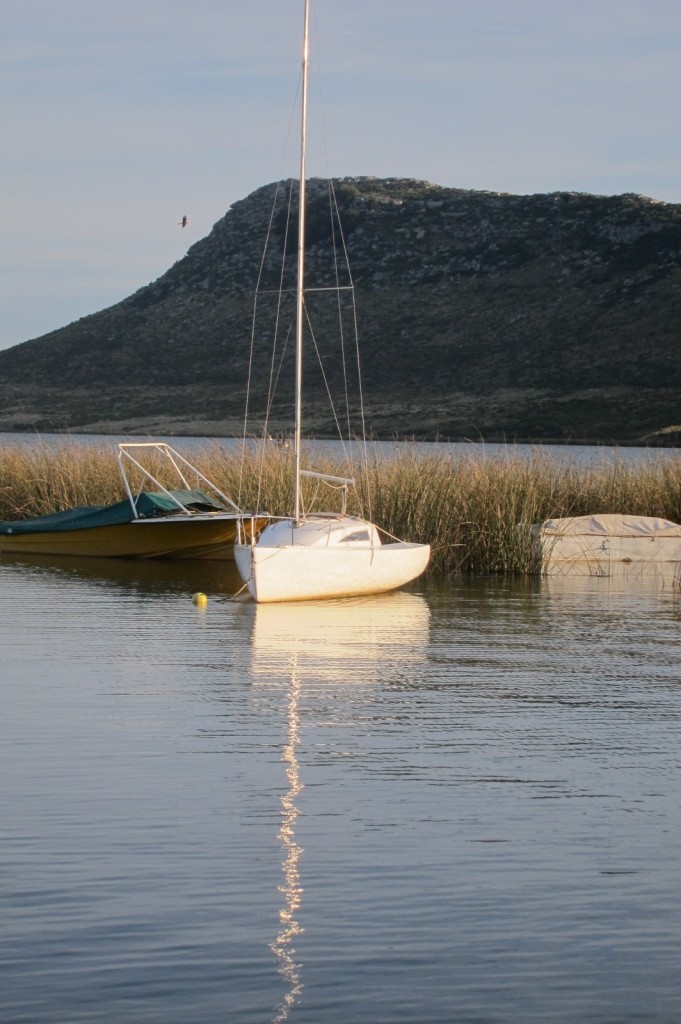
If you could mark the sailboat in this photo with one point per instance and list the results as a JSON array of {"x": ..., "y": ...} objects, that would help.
[{"x": 323, "y": 554}]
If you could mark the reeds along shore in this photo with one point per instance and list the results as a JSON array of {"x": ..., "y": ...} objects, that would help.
[{"x": 468, "y": 508}]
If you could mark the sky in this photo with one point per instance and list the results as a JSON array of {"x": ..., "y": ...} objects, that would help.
[{"x": 119, "y": 118}]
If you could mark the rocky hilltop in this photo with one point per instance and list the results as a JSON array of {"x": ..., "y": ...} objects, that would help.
[{"x": 480, "y": 314}]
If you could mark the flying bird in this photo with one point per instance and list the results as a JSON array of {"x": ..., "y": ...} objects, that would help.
[{"x": 184, "y": 221}]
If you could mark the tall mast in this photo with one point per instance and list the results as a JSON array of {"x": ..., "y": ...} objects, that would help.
[{"x": 301, "y": 271}]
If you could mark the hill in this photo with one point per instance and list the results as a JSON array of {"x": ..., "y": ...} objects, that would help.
[{"x": 550, "y": 317}]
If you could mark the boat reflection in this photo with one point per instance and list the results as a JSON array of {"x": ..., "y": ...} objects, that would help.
[
  {"x": 146, "y": 577},
  {"x": 350, "y": 641},
  {"x": 345, "y": 641}
]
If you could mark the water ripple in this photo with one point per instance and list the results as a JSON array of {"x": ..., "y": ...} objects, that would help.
[{"x": 455, "y": 804}]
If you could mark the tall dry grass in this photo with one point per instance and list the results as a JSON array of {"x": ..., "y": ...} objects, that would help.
[
  {"x": 43, "y": 478},
  {"x": 472, "y": 510}
]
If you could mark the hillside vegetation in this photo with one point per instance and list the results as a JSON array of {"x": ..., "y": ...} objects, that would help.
[{"x": 550, "y": 317}]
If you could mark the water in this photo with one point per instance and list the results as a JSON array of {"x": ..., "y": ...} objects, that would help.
[
  {"x": 455, "y": 804},
  {"x": 581, "y": 455}
]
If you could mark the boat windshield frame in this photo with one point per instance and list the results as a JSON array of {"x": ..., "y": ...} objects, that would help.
[{"x": 180, "y": 465}]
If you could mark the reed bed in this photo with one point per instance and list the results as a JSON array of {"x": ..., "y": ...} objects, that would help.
[{"x": 472, "y": 510}]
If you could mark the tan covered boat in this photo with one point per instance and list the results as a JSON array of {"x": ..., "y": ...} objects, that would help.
[{"x": 607, "y": 545}]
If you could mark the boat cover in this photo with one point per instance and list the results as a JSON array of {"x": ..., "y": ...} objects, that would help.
[
  {"x": 609, "y": 525},
  {"x": 608, "y": 545},
  {"x": 150, "y": 505}
]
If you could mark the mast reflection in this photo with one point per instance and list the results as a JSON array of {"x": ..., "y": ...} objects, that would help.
[
  {"x": 290, "y": 887},
  {"x": 356, "y": 643}
]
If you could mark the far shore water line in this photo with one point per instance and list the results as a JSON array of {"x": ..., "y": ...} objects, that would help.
[
  {"x": 473, "y": 511},
  {"x": 669, "y": 437}
]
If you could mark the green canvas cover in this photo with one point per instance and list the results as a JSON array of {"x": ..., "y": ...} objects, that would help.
[{"x": 150, "y": 505}]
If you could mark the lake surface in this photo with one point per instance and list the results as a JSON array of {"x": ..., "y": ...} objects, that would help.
[
  {"x": 455, "y": 804},
  {"x": 581, "y": 455}
]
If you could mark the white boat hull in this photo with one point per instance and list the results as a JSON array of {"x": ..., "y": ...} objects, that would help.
[{"x": 304, "y": 572}]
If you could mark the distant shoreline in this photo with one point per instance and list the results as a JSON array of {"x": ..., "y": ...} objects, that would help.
[{"x": 169, "y": 430}]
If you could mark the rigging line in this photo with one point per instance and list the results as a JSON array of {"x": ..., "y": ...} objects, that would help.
[
  {"x": 281, "y": 362},
  {"x": 308, "y": 291},
  {"x": 355, "y": 324},
  {"x": 336, "y": 226},
  {"x": 333, "y": 209},
  {"x": 365, "y": 449},
  {"x": 319, "y": 92},
  {"x": 274, "y": 370},
  {"x": 274, "y": 375},
  {"x": 279, "y": 186},
  {"x": 249, "y": 379},
  {"x": 326, "y": 385}
]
